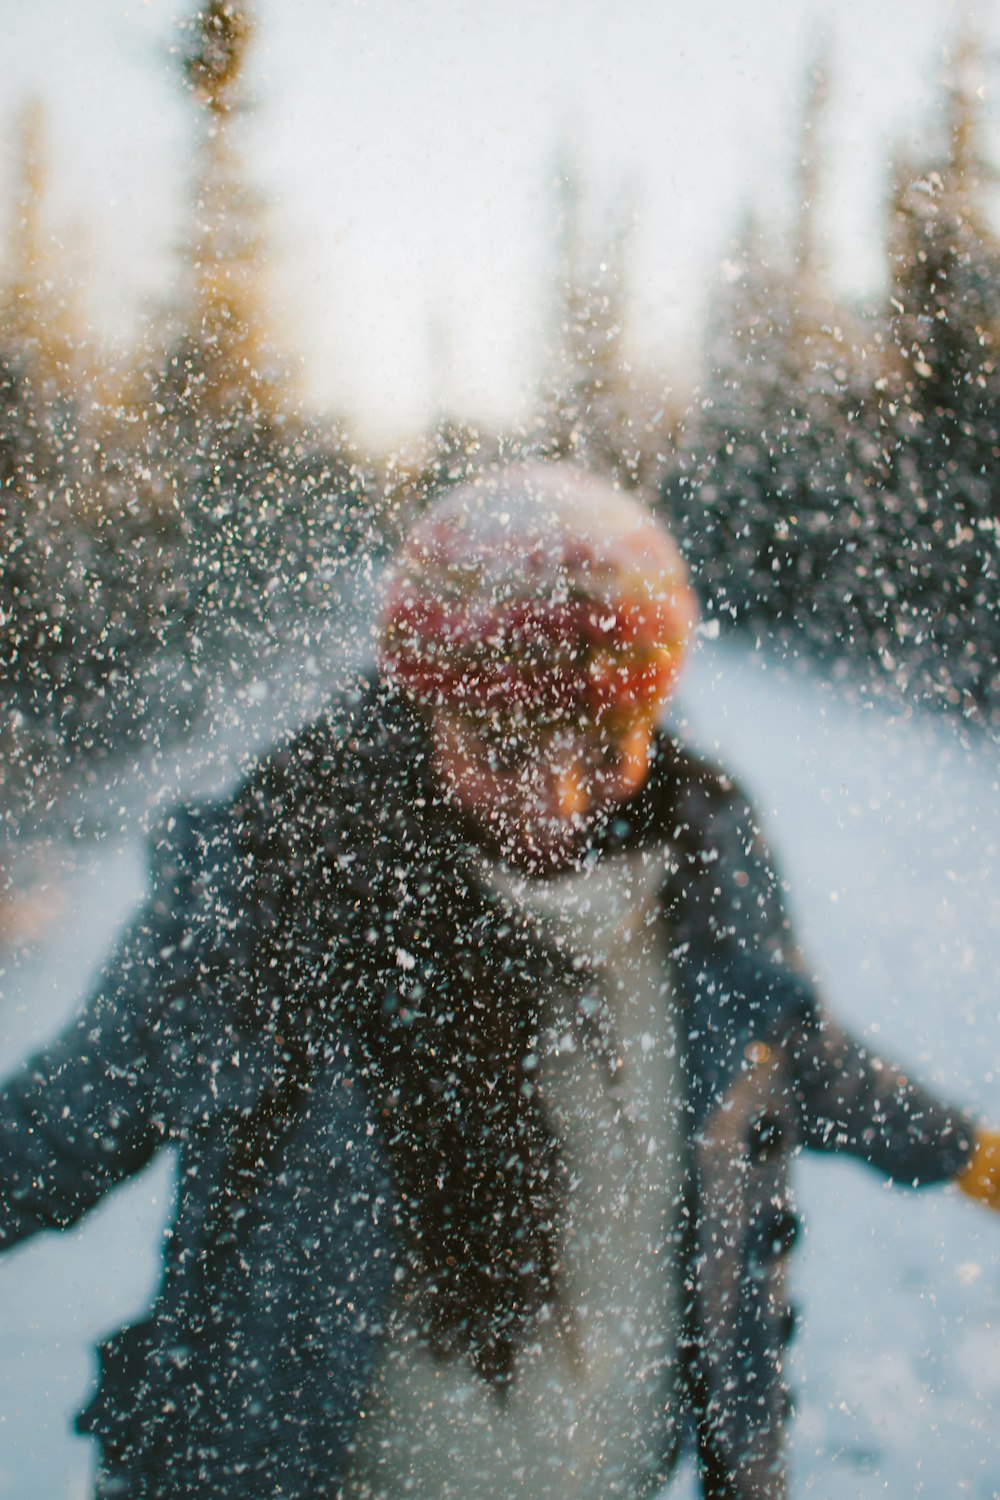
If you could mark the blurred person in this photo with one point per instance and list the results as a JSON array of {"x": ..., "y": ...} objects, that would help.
[{"x": 478, "y": 1027}]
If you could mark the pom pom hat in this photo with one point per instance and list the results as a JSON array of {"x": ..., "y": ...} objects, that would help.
[{"x": 537, "y": 589}]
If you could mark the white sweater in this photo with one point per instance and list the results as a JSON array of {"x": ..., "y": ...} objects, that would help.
[{"x": 596, "y": 1421}]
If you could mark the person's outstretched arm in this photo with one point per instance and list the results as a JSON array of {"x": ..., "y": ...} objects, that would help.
[
  {"x": 83, "y": 1114},
  {"x": 848, "y": 1099},
  {"x": 855, "y": 1102}
]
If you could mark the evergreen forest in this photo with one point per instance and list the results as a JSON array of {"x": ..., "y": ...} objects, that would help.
[{"x": 171, "y": 520}]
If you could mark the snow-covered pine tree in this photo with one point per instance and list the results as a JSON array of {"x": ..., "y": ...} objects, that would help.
[
  {"x": 776, "y": 487},
  {"x": 255, "y": 506},
  {"x": 599, "y": 406},
  {"x": 51, "y": 626},
  {"x": 944, "y": 322}
]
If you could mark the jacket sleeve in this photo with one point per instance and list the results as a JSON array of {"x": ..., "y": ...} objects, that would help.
[
  {"x": 852, "y": 1101},
  {"x": 82, "y": 1114},
  {"x": 848, "y": 1099}
]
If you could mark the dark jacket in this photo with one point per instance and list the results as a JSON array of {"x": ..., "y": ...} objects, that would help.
[{"x": 266, "y": 914}]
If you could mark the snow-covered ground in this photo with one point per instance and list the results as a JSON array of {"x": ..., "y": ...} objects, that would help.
[
  {"x": 888, "y": 831},
  {"x": 887, "y": 828}
]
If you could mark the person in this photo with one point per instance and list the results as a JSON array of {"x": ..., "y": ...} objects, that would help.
[{"x": 476, "y": 1022}]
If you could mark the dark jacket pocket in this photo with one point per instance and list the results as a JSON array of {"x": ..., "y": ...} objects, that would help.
[
  {"x": 143, "y": 1396},
  {"x": 123, "y": 1379}
]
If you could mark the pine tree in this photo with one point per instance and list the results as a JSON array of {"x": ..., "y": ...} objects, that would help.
[
  {"x": 771, "y": 488},
  {"x": 222, "y": 364},
  {"x": 42, "y": 559},
  {"x": 944, "y": 319},
  {"x": 40, "y": 324},
  {"x": 239, "y": 511},
  {"x": 207, "y": 445},
  {"x": 598, "y": 408},
  {"x": 721, "y": 494},
  {"x": 80, "y": 570}
]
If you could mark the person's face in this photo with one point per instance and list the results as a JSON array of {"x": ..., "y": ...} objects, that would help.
[{"x": 535, "y": 790}]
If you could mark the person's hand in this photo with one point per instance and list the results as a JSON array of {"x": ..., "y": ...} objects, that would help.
[{"x": 980, "y": 1178}]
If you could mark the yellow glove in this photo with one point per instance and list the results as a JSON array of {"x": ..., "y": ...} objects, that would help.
[{"x": 980, "y": 1177}]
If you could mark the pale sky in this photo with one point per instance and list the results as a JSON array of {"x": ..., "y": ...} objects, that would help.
[{"x": 407, "y": 151}]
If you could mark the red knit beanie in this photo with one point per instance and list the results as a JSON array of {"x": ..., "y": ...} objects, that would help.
[{"x": 536, "y": 589}]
